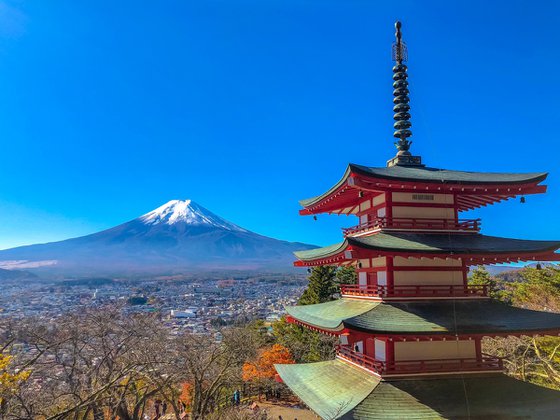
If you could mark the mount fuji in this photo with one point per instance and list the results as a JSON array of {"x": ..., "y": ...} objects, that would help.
[{"x": 179, "y": 237}]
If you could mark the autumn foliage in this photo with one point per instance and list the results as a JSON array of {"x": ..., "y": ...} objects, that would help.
[
  {"x": 186, "y": 394},
  {"x": 9, "y": 380},
  {"x": 263, "y": 366}
]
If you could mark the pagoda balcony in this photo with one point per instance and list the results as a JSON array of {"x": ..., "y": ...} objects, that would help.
[
  {"x": 485, "y": 363},
  {"x": 414, "y": 291},
  {"x": 403, "y": 223}
]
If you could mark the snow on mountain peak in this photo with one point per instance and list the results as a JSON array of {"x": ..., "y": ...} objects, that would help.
[{"x": 186, "y": 211}]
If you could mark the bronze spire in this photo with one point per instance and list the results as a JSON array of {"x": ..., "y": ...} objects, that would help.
[{"x": 402, "y": 116}]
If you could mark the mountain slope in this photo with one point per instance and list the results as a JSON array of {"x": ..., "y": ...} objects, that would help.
[
  {"x": 178, "y": 236},
  {"x": 9, "y": 275}
]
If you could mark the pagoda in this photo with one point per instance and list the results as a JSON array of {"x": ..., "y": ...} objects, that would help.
[{"x": 410, "y": 329}]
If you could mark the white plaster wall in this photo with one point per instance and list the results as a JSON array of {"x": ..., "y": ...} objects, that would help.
[
  {"x": 426, "y": 262},
  {"x": 428, "y": 350},
  {"x": 365, "y": 263},
  {"x": 379, "y": 262},
  {"x": 424, "y": 212},
  {"x": 365, "y": 205},
  {"x": 378, "y": 199},
  {"x": 427, "y": 277},
  {"x": 417, "y": 197}
]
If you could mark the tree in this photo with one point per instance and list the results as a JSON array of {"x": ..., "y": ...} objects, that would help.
[
  {"x": 533, "y": 359},
  {"x": 10, "y": 381},
  {"x": 105, "y": 364},
  {"x": 322, "y": 286},
  {"x": 346, "y": 275},
  {"x": 539, "y": 289},
  {"x": 214, "y": 368},
  {"x": 263, "y": 366},
  {"x": 186, "y": 395},
  {"x": 481, "y": 277},
  {"x": 304, "y": 344}
]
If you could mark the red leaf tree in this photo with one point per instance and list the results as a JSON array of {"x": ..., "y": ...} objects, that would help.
[{"x": 263, "y": 366}]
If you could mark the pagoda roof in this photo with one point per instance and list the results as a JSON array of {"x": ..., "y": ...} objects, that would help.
[
  {"x": 335, "y": 389},
  {"x": 433, "y": 179},
  {"x": 426, "y": 174},
  {"x": 330, "y": 315},
  {"x": 332, "y": 388},
  {"x": 429, "y": 244},
  {"x": 439, "y": 317}
]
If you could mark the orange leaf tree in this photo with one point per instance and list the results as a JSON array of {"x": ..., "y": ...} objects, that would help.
[
  {"x": 263, "y": 366},
  {"x": 186, "y": 394}
]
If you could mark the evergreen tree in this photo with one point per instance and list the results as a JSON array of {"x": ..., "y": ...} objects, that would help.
[
  {"x": 538, "y": 289},
  {"x": 532, "y": 359},
  {"x": 322, "y": 285},
  {"x": 346, "y": 275},
  {"x": 306, "y": 345},
  {"x": 481, "y": 277}
]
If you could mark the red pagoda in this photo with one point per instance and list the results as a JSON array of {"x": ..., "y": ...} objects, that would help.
[{"x": 410, "y": 330}]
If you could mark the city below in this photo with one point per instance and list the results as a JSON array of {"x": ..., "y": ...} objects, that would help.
[{"x": 198, "y": 305}]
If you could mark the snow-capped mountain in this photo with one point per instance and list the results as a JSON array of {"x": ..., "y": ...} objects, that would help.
[
  {"x": 178, "y": 237},
  {"x": 186, "y": 211}
]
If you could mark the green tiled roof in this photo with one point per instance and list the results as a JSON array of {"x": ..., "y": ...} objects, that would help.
[
  {"x": 425, "y": 174},
  {"x": 483, "y": 316},
  {"x": 481, "y": 397},
  {"x": 453, "y": 316},
  {"x": 330, "y": 315},
  {"x": 336, "y": 389},
  {"x": 433, "y": 243},
  {"x": 325, "y": 251},
  {"x": 331, "y": 389}
]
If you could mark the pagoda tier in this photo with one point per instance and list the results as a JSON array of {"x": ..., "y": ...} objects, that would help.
[
  {"x": 437, "y": 319},
  {"x": 393, "y": 339},
  {"x": 337, "y": 389},
  {"x": 473, "y": 249},
  {"x": 406, "y": 265},
  {"x": 362, "y": 188}
]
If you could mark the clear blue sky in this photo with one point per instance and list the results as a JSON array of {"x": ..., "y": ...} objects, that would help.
[{"x": 108, "y": 109}]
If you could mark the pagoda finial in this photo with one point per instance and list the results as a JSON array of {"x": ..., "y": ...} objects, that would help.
[{"x": 402, "y": 117}]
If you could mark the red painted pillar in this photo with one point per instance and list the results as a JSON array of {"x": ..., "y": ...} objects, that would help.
[
  {"x": 478, "y": 347},
  {"x": 390, "y": 273},
  {"x": 389, "y": 206},
  {"x": 456, "y": 208},
  {"x": 390, "y": 350}
]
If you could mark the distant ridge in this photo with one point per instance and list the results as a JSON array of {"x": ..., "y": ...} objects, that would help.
[
  {"x": 501, "y": 269},
  {"x": 9, "y": 275},
  {"x": 179, "y": 236}
]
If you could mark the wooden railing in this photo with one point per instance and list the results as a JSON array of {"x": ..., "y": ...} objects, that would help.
[
  {"x": 407, "y": 291},
  {"x": 484, "y": 363},
  {"x": 364, "y": 360},
  {"x": 471, "y": 225}
]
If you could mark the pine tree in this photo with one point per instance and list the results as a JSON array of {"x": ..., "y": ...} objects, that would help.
[
  {"x": 346, "y": 275},
  {"x": 322, "y": 286},
  {"x": 305, "y": 345},
  {"x": 480, "y": 276}
]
